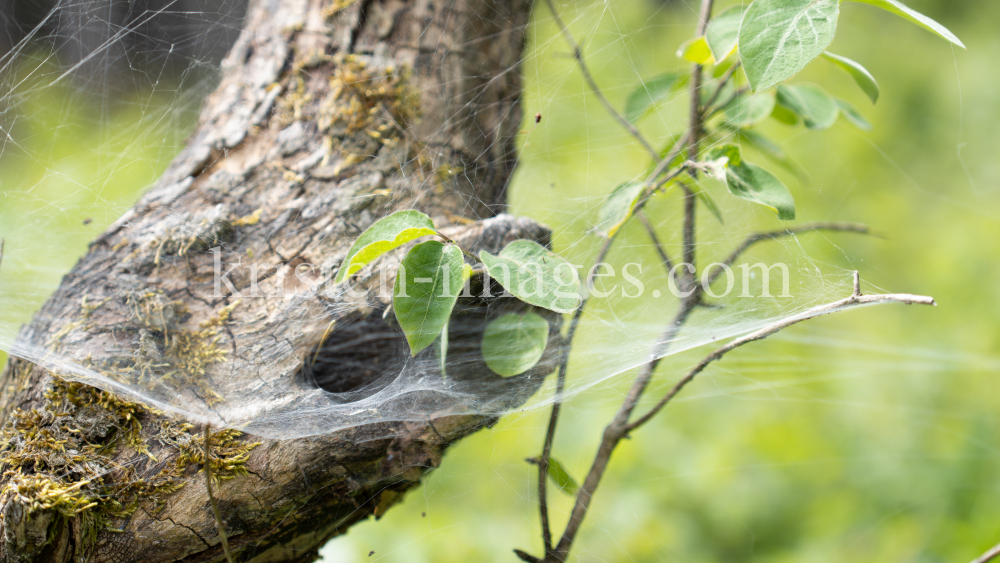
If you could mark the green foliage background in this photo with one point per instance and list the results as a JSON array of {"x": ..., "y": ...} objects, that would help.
[{"x": 872, "y": 436}]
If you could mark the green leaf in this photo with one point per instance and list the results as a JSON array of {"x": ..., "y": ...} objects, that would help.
[
  {"x": 730, "y": 151},
  {"x": 697, "y": 51},
  {"x": 562, "y": 479},
  {"x": 859, "y": 73},
  {"x": 723, "y": 31},
  {"x": 384, "y": 235},
  {"x": 720, "y": 69},
  {"x": 650, "y": 93},
  {"x": 916, "y": 17},
  {"x": 749, "y": 109},
  {"x": 513, "y": 344},
  {"x": 773, "y": 151},
  {"x": 817, "y": 108},
  {"x": 425, "y": 292},
  {"x": 535, "y": 275},
  {"x": 778, "y": 38},
  {"x": 852, "y": 114},
  {"x": 618, "y": 207},
  {"x": 784, "y": 115},
  {"x": 753, "y": 183}
]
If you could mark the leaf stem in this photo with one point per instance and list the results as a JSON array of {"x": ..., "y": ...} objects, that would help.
[
  {"x": 450, "y": 240},
  {"x": 718, "y": 91}
]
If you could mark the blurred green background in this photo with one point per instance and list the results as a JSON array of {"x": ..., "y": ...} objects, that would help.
[{"x": 870, "y": 436}]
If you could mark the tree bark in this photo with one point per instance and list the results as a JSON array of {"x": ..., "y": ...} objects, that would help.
[{"x": 288, "y": 162}]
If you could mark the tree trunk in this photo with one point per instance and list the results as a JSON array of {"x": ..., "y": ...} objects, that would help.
[{"x": 289, "y": 161}]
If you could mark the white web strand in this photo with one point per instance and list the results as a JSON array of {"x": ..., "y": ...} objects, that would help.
[{"x": 616, "y": 333}]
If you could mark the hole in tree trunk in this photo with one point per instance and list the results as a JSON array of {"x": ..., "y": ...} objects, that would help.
[
  {"x": 362, "y": 356},
  {"x": 359, "y": 358}
]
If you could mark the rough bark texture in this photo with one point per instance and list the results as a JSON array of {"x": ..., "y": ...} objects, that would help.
[{"x": 282, "y": 164}]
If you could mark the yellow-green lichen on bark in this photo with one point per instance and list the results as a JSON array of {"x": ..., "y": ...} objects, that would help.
[
  {"x": 86, "y": 454},
  {"x": 361, "y": 105},
  {"x": 172, "y": 353}
]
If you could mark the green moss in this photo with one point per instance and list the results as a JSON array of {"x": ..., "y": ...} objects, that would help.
[
  {"x": 171, "y": 352},
  {"x": 76, "y": 453},
  {"x": 63, "y": 456},
  {"x": 361, "y": 105}
]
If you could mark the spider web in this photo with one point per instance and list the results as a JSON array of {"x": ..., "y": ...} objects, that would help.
[
  {"x": 144, "y": 101},
  {"x": 96, "y": 102}
]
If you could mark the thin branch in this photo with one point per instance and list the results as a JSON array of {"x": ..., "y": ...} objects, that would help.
[
  {"x": 578, "y": 55},
  {"x": 664, "y": 163},
  {"x": 526, "y": 556},
  {"x": 550, "y": 432},
  {"x": 690, "y": 206},
  {"x": 856, "y": 299},
  {"x": 989, "y": 555},
  {"x": 729, "y": 100},
  {"x": 619, "y": 428},
  {"x": 694, "y": 137},
  {"x": 772, "y": 235},
  {"x": 219, "y": 525},
  {"x": 613, "y": 433},
  {"x": 543, "y": 461},
  {"x": 718, "y": 91},
  {"x": 668, "y": 264}
]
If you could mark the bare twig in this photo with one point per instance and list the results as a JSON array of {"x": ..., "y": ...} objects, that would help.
[
  {"x": 611, "y": 437},
  {"x": 772, "y": 235},
  {"x": 668, "y": 264},
  {"x": 550, "y": 432},
  {"x": 578, "y": 55},
  {"x": 990, "y": 555},
  {"x": 690, "y": 206},
  {"x": 856, "y": 299},
  {"x": 710, "y": 112},
  {"x": 620, "y": 427},
  {"x": 664, "y": 163},
  {"x": 219, "y": 525},
  {"x": 718, "y": 91},
  {"x": 694, "y": 137},
  {"x": 614, "y": 433},
  {"x": 543, "y": 461}
]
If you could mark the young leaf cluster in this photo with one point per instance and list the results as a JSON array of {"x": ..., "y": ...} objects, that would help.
[
  {"x": 434, "y": 272},
  {"x": 752, "y": 52}
]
